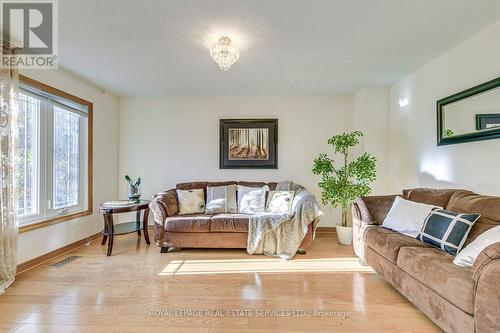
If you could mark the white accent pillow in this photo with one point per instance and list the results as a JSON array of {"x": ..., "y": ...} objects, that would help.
[
  {"x": 407, "y": 217},
  {"x": 468, "y": 255},
  {"x": 221, "y": 199},
  {"x": 280, "y": 202},
  {"x": 252, "y": 200},
  {"x": 191, "y": 201}
]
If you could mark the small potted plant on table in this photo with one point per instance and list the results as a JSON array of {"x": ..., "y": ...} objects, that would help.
[
  {"x": 341, "y": 184},
  {"x": 133, "y": 188}
]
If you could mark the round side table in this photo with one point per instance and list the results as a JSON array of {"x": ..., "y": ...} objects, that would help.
[{"x": 110, "y": 229}]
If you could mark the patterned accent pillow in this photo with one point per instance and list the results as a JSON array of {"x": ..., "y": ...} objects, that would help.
[
  {"x": 447, "y": 230},
  {"x": 191, "y": 201},
  {"x": 221, "y": 199},
  {"x": 280, "y": 202}
]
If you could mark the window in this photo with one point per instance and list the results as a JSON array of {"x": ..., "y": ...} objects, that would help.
[
  {"x": 28, "y": 155},
  {"x": 66, "y": 158},
  {"x": 54, "y": 155}
]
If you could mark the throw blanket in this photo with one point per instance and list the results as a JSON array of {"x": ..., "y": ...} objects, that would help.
[{"x": 281, "y": 234}]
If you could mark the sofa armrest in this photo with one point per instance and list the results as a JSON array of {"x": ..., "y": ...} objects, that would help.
[
  {"x": 163, "y": 205},
  {"x": 367, "y": 211},
  {"x": 486, "y": 275},
  {"x": 487, "y": 256}
]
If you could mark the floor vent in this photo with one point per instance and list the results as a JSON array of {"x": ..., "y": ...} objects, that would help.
[{"x": 63, "y": 262}]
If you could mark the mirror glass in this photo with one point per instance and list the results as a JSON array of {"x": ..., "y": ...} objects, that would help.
[{"x": 477, "y": 113}]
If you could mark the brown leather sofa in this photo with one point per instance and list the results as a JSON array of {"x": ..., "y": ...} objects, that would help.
[
  {"x": 203, "y": 230},
  {"x": 457, "y": 299}
]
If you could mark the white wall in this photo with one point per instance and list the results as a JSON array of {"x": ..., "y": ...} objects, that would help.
[
  {"x": 415, "y": 158},
  {"x": 372, "y": 118},
  {"x": 171, "y": 140},
  {"x": 40, "y": 241}
]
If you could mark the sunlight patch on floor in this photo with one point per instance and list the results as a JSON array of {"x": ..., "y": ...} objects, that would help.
[{"x": 235, "y": 266}]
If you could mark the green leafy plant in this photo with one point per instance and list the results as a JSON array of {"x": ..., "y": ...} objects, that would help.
[
  {"x": 448, "y": 132},
  {"x": 342, "y": 184}
]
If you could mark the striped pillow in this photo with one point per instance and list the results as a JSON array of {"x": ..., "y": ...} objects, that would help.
[
  {"x": 447, "y": 230},
  {"x": 221, "y": 199}
]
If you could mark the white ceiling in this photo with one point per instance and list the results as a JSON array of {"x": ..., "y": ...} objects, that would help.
[{"x": 288, "y": 47}]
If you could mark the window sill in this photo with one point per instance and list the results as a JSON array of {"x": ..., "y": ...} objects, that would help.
[{"x": 53, "y": 220}]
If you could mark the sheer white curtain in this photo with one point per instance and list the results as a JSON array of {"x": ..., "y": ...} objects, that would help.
[{"x": 9, "y": 231}]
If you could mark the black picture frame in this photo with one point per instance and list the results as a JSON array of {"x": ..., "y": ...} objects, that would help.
[
  {"x": 442, "y": 140},
  {"x": 270, "y": 158},
  {"x": 484, "y": 119}
]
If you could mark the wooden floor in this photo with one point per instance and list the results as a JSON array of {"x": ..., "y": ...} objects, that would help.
[{"x": 138, "y": 289}]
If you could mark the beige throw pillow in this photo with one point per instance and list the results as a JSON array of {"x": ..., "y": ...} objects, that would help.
[
  {"x": 252, "y": 200},
  {"x": 221, "y": 199},
  {"x": 191, "y": 201},
  {"x": 280, "y": 201}
]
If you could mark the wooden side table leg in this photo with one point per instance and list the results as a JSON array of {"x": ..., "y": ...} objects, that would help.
[
  {"x": 145, "y": 225},
  {"x": 138, "y": 222},
  {"x": 111, "y": 232},
  {"x": 105, "y": 231},
  {"x": 104, "y": 238}
]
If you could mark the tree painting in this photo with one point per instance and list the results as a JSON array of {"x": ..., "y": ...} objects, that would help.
[{"x": 248, "y": 143}]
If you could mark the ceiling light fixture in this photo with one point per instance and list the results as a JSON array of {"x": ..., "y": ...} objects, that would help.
[{"x": 224, "y": 54}]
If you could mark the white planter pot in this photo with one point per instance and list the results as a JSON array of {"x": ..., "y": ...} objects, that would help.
[{"x": 344, "y": 234}]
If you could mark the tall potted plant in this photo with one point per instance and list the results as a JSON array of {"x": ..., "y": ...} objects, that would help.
[{"x": 343, "y": 182}]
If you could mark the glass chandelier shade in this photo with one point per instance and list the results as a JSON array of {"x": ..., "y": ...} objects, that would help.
[{"x": 224, "y": 54}]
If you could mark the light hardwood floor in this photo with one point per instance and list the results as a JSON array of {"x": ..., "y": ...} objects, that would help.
[{"x": 138, "y": 289}]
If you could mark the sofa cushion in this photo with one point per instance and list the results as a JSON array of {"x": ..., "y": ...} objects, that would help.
[
  {"x": 407, "y": 217},
  {"x": 223, "y": 183},
  {"x": 191, "y": 201},
  {"x": 252, "y": 184},
  {"x": 436, "y": 270},
  {"x": 192, "y": 186},
  {"x": 221, "y": 199},
  {"x": 429, "y": 196},
  {"x": 447, "y": 230},
  {"x": 272, "y": 186},
  {"x": 375, "y": 208},
  {"x": 387, "y": 242},
  {"x": 468, "y": 255},
  {"x": 229, "y": 223},
  {"x": 469, "y": 202},
  {"x": 252, "y": 200},
  {"x": 188, "y": 223}
]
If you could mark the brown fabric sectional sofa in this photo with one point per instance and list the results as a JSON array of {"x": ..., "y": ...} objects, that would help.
[
  {"x": 457, "y": 299},
  {"x": 203, "y": 230}
]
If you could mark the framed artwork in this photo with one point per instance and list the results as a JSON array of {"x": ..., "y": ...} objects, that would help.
[
  {"x": 487, "y": 121},
  {"x": 248, "y": 143}
]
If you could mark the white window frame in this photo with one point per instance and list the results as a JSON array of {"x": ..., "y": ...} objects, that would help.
[
  {"x": 36, "y": 168},
  {"x": 45, "y": 213},
  {"x": 82, "y": 141}
]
